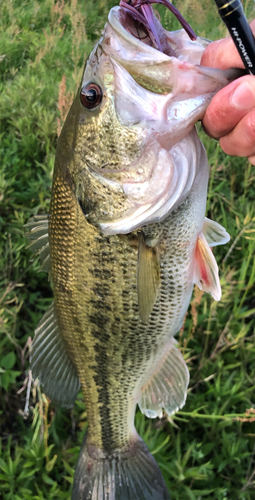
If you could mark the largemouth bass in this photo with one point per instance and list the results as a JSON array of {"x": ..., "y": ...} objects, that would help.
[{"x": 128, "y": 239}]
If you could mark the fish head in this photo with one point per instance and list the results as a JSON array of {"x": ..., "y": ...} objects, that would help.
[
  {"x": 94, "y": 146},
  {"x": 128, "y": 147}
]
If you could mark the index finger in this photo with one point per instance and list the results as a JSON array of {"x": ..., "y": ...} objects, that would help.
[{"x": 223, "y": 54}]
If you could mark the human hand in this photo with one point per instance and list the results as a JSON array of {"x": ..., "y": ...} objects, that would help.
[{"x": 230, "y": 117}]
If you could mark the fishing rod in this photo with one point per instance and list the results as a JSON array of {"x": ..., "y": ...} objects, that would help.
[{"x": 232, "y": 14}]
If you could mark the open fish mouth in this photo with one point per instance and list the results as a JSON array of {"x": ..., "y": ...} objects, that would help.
[
  {"x": 129, "y": 42},
  {"x": 153, "y": 93},
  {"x": 141, "y": 12},
  {"x": 159, "y": 89},
  {"x": 145, "y": 36}
]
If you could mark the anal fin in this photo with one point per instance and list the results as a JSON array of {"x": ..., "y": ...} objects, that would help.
[
  {"x": 167, "y": 388},
  {"x": 51, "y": 363},
  {"x": 148, "y": 277}
]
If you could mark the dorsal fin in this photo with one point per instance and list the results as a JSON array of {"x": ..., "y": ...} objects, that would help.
[
  {"x": 38, "y": 235},
  {"x": 148, "y": 277}
]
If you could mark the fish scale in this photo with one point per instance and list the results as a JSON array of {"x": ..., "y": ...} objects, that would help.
[
  {"x": 128, "y": 239},
  {"x": 96, "y": 282}
]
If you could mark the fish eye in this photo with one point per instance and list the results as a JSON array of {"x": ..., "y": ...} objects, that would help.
[{"x": 91, "y": 95}]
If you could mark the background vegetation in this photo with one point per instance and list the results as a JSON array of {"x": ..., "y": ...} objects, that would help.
[{"x": 208, "y": 449}]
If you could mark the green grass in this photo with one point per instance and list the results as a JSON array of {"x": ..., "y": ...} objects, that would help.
[{"x": 206, "y": 450}]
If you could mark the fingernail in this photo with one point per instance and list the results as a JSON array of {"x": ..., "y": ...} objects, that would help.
[{"x": 243, "y": 96}]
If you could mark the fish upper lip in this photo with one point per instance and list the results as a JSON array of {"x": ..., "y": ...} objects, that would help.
[{"x": 115, "y": 22}]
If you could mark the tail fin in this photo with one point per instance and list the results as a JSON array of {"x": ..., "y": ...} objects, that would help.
[{"x": 132, "y": 474}]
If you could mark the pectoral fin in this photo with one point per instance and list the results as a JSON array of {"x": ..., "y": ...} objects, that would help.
[
  {"x": 206, "y": 274},
  {"x": 51, "y": 363},
  {"x": 214, "y": 233},
  {"x": 148, "y": 277},
  {"x": 38, "y": 236},
  {"x": 167, "y": 387}
]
